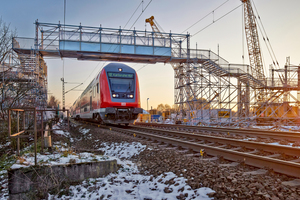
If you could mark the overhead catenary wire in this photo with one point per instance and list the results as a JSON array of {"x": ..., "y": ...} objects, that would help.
[
  {"x": 243, "y": 39},
  {"x": 134, "y": 13},
  {"x": 140, "y": 14},
  {"x": 92, "y": 72},
  {"x": 264, "y": 31},
  {"x": 216, "y": 20},
  {"x": 205, "y": 16},
  {"x": 142, "y": 67},
  {"x": 143, "y": 9}
]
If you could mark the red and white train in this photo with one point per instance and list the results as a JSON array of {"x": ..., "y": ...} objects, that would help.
[{"x": 112, "y": 97}]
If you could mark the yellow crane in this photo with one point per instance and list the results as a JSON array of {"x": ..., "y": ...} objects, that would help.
[{"x": 155, "y": 29}]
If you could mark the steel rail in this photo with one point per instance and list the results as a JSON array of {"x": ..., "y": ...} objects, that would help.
[
  {"x": 229, "y": 141},
  {"x": 255, "y": 132},
  {"x": 280, "y": 166}
]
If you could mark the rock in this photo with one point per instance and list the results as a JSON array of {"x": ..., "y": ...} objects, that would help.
[
  {"x": 212, "y": 194},
  {"x": 151, "y": 178},
  {"x": 181, "y": 189},
  {"x": 293, "y": 183},
  {"x": 226, "y": 174},
  {"x": 168, "y": 190}
]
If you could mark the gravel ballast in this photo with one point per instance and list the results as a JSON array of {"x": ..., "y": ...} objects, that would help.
[{"x": 228, "y": 182}]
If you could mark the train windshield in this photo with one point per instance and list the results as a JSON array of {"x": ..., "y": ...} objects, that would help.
[{"x": 121, "y": 82}]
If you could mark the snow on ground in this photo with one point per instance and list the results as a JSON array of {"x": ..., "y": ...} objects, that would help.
[
  {"x": 126, "y": 183},
  {"x": 281, "y": 128},
  {"x": 3, "y": 185},
  {"x": 84, "y": 130},
  {"x": 62, "y": 155},
  {"x": 60, "y": 132},
  {"x": 5, "y": 145},
  {"x": 286, "y": 145}
]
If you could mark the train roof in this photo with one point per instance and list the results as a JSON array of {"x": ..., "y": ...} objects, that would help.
[{"x": 114, "y": 67}]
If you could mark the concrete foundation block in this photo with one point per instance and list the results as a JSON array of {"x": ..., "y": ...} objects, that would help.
[{"x": 23, "y": 183}]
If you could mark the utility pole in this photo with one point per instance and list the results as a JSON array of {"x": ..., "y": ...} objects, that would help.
[
  {"x": 147, "y": 104},
  {"x": 63, "y": 78}
]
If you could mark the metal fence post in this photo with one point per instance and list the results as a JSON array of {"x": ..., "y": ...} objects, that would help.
[
  {"x": 18, "y": 130},
  {"x": 35, "y": 138},
  {"x": 42, "y": 130}
]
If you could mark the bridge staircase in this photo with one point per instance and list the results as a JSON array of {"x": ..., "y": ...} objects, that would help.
[{"x": 230, "y": 70}]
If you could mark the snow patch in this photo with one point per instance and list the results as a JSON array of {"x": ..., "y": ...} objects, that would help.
[{"x": 128, "y": 184}]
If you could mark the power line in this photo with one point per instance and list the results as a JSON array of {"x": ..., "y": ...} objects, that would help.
[
  {"x": 140, "y": 14},
  {"x": 267, "y": 38},
  {"x": 91, "y": 72},
  {"x": 142, "y": 67},
  {"x": 217, "y": 20},
  {"x": 135, "y": 21},
  {"x": 133, "y": 13},
  {"x": 204, "y": 17},
  {"x": 124, "y": 27}
]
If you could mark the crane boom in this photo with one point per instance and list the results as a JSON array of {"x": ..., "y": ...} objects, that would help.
[
  {"x": 255, "y": 57},
  {"x": 155, "y": 29}
]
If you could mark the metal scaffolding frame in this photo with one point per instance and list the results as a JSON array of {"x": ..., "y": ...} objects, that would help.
[{"x": 24, "y": 74}]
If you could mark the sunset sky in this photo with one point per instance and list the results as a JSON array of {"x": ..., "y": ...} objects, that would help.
[{"x": 281, "y": 21}]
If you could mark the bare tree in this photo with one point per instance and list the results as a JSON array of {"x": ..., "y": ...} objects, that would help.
[
  {"x": 10, "y": 92},
  {"x": 53, "y": 102},
  {"x": 6, "y": 35},
  {"x": 167, "y": 107},
  {"x": 160, "y": 107}
]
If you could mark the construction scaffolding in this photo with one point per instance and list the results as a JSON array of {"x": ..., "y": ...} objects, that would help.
[
  {"x": 23, "y": 80},
  {"x": 208, "y": 89},
  {"x": 211, "y": 93}
]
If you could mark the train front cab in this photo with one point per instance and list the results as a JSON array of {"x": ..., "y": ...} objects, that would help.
[{"x": 122, "y": 95}]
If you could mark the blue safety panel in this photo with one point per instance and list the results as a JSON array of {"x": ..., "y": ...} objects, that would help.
[
  {"x": 144, "y": 50},
  {"x": 90, "y": 46},
  {"x": 110, "y": 48},
  {"x": 69, "y": 45},
  {"x": 127, "y": 49},
  {"x": 114, "y": 48},
  {"x": 162, "y": 51}
]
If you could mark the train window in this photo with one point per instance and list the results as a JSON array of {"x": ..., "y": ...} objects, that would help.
[
  {"x": 121, "y": 85},
  {"x": 98, "y": 88}
]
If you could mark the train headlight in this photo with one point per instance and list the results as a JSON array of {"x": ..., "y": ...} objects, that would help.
[
  {"x": 115, "y": 95},
  {"x": 131, "y": 96}
]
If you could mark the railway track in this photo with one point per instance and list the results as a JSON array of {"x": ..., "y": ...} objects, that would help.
[
  {"x": 281, "y": 159},
  {"x": 286, "y": 135}
]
